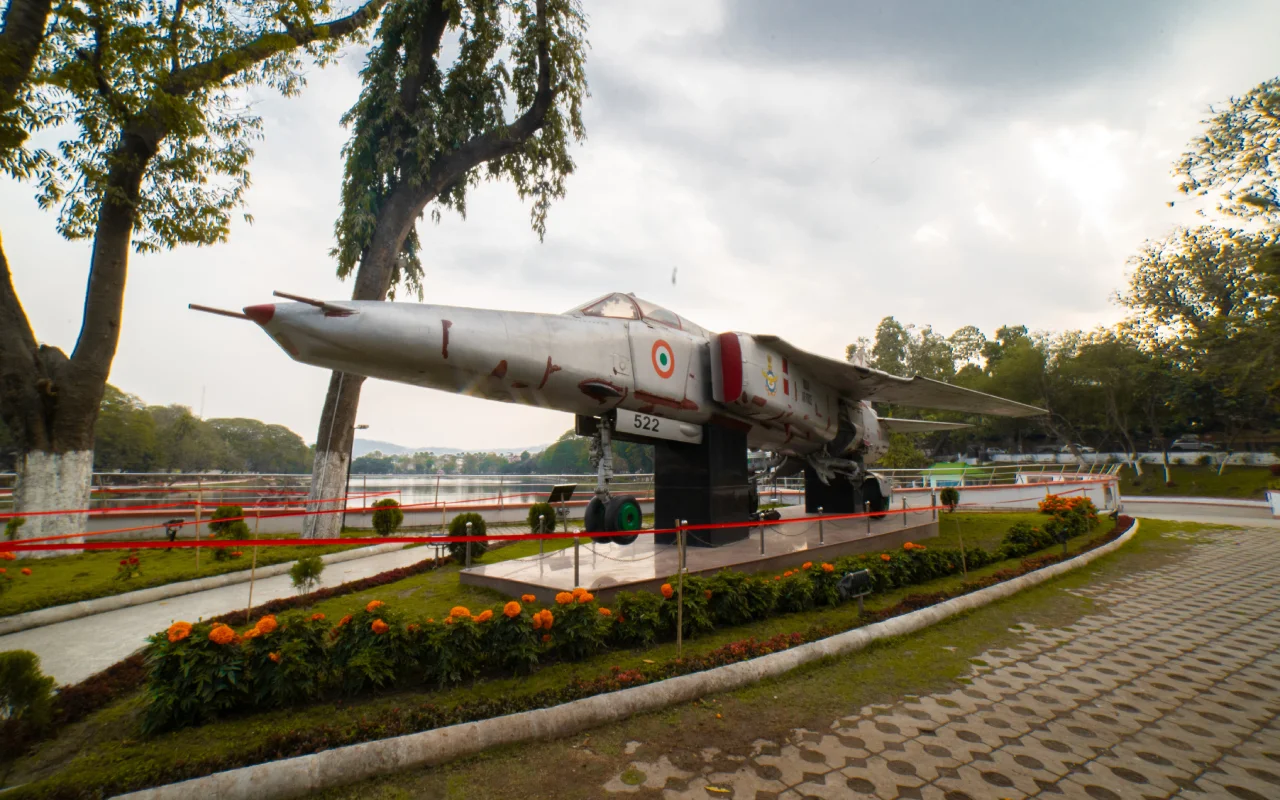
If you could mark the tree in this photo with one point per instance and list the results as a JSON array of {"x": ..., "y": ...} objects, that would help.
[
  {"x": 25, "y": 26},
  {"x": 162, "y": 149},
  {"x": 421, "y": 135},
  {"x": 889, "y": 353},
  {"x": 258, "y": 447},
  {"x": 903, "y": 454},
  {"x": 1239, "y": 156},
  {"x": 374, "y": 463},
  {"x": 125, "y": 436}
]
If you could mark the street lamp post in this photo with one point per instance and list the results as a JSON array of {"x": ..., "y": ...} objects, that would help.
[{"x": 350, "y": 457}]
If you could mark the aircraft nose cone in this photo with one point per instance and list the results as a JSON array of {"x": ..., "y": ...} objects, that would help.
[{"x": 260, "y": 314}]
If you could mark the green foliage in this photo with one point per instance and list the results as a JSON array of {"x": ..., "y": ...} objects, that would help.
[
  {"x": 12, "y": 526},
  {"x": 697, "y": 613},
  {"x": 949, "y": 497},
  {"x": 547, "y": 513},
  {"x": 457, "y": 650},
  {"x": 305, "y": 573},
  {"x": 579, "y": 630},
  {"x": 458, "y": 527},
  {"x": 1237, "y": 156},
  {"x": 192, "y": 680},
  {"x": 511, "y": 643},
  {"x": 387, "y": 516},
  {"x": 1023, "y": 539},
  {"x": 903, "y": 454},
  {"x": 413, "y": 116},
  {"x": 638, "y": 618},
  {"x": 222, "y": 522},
  {"x": 367, "y": 659},
  {"x": 290, "y": 665},
  {"x": 736, "y": 598},
  {"x": 25, "y": 692},
  {"x": 795, "y": 592}
]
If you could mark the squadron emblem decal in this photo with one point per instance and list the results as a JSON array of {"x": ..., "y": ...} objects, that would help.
[
  {"x": 664, "y": 361},
  {"x": 770, "y": 377}
]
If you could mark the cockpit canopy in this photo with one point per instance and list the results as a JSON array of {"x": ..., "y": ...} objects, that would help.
[{"x": 627, "y": 306}]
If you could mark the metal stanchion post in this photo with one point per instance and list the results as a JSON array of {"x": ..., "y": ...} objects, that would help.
[
  {"x": 820, "y": 532},
  {"x": 762, "y": 527},
  {"x": 680, "y": 586},
  {"x": 933, "y": 501},
  {"x": 866, "y": 505},
  {"x": 542, "y": 528},
  {"x": 253, "y": 568},
  {"x": 468, "y": 546},
  {"x": 199, "y": 497},
  {"x": 904, "y": 512},
  {"x": 575, "y": 562}
]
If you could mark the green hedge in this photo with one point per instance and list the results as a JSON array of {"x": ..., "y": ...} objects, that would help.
[{"x": 198, "y": 672}]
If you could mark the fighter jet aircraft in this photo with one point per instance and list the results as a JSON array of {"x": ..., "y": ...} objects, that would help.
[{"x": 650, "y": 373}]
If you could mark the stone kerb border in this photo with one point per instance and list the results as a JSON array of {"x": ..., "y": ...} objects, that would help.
[
  {"x": 86, "y": 608},
  {"x": 295, "y": 777}
]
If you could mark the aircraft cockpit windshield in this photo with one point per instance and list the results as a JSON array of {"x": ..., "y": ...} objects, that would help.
[{"x": 628, "y": 306}]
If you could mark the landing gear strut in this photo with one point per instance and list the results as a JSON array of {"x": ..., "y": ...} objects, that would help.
[{"x": 606, "y": 512}]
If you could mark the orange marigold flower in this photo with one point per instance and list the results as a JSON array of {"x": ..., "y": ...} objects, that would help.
[
  {"x": 547, "y": 619},
  {"x": 921, "y": 547},
  {"x": 579, "y": 590},
  {"x": 885, "y": 557},
  {"x": 459, "y": 611},
  {"x": 412, "y": 627},
  {"x": 586, "y": 597},
  {"x": 828, "y": 567},
  {"x": 26, "y": 570},
  {"x": 707, "y": 593},
  {"x": 252, "y": 633},
  {"x": 3, "y": 570},
  {"x": 267, "y": 624},
  {"x": 667, "y": 591},
  {"x": 485, "y": 616},
  {"x": 179, "y": 631},
  {"x": 317, "y": 617},
  {"x": 511, "y": 609},
  {"x": 787, "y": 574},
  {"x": 777, "y": 577},
  {"x": 806, "y": 565},
  {"x": 431, "y": 620},
  {"x": 908, "y": 546},
  {"x": 274, "y": 657},
  {"x": 529, "y": 598},
  {"x": 448, "y": 620},
  {"x": 546, "y": 637},
  {"x": 379, "y": 627},
  {"x": 373, "y": 606},
  {"x": 8, "y": 556},
  {"x": 537, "y": 621},
  {"x": 564, "y": 598},
  {"x": 221, "y": 634},
  {"x": 344, "y": 620},
  {"x": 604, "y": 612}
]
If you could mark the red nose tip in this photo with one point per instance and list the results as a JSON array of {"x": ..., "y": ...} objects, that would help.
[{"x": 260, "y": 314}]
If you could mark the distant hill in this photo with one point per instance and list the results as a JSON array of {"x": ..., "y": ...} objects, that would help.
[{"x": 366, "y": 446}]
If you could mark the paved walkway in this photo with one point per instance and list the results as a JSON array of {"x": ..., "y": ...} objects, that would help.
[
  {"x": 73, "y": 650},
  {"x": 1173, "y": 693}
]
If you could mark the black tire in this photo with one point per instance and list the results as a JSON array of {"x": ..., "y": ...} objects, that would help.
[
  {"x": 593, "y": 519},
  {"x": 624, "y": 515},
  {"x": 872, "y": 496}
]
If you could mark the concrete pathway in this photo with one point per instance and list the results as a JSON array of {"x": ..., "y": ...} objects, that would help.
[
  {"x": 1174, "y": 693},
  {"x": 73, "y": 650}
]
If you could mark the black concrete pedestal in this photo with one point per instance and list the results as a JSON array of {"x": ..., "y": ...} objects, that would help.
[
  {"x": 702, "y": 483},
  {"x": 838, "y": 497}
]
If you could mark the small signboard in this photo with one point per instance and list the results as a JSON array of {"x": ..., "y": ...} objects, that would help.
[{"x": 561, "y": 493}]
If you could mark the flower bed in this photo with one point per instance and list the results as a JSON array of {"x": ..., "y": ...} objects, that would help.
[{"x": 210, "y": 669}]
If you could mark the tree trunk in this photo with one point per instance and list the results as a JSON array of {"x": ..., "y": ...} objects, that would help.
[{"x": 51, "y": 402}]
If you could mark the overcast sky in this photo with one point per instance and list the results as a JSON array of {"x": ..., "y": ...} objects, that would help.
[{"x": 809, "y": 167}]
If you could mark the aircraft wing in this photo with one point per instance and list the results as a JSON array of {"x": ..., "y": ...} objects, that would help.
[
  {"x": 865, "y": 383},
  {"x": 920, "y": 425}
]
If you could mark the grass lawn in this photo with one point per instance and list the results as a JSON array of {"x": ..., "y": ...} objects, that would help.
[
  {"x": 1193, "y": 481},
  {"x": 108, "y": 743}
]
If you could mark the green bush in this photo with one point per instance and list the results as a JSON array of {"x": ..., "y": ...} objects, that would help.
[
  {"x": 456, "y": 650},
  {"x": 795, "y": 591},
  {"x": 548, "y": 514},
  {"x": 26, "y": 694},
  {"x": 950, "y": 497},
  {"x": 638, "y": 620},
  {"x": 511, "y": 640},
  {"x": 193, "y": 678},
  {"x": 1022, "y": 539},
  {"x": 305, "y": 573},
  {"x": 371, "y": 649},
  {"x": 225, "y": 520},
  {"x": 697, "y": 616},
  {"x": 735, "y": 601},
  {"x": 11, "y": 527},
  {"x": 288, "y": 665},
  {"x": 458, "y": 527},
  {"x": 580, "y": 629},
  {"x": 387, "y": 516}
]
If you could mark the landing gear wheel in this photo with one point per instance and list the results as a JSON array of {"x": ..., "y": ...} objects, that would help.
[
  {"x": 871, "y": 495},
  {"x": 594, "y": 518},
  {"x": 624, "y": 515},
  {"x": 753, "y": 499}
]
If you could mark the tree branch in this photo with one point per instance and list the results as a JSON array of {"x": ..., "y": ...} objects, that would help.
[
  {"x": 173, "y": 37},
  {"x": 197, "y": 76},
  {"x": 20, "y": 40},
  {"x": 20, "y": 368},
  {"x": 94, "y": 62}
]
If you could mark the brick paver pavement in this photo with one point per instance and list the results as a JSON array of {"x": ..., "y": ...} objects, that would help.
[{"x": 1172, "y": 692}]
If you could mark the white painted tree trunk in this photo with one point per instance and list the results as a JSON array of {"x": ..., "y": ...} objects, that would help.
[
  {"x": 53, "y": 482},
  {"x": 330, "y": 480}
]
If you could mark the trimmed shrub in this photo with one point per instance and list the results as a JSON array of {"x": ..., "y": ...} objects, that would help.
[
  {"x": 458, "y": 527},
  {"x": 387, "y": 517},
  {"x": 950, "y": 497},
  {"x": 1023, "y": 539},
  {"x": 225, "y": 525},
  {"x": 305, "y": 573},
  {"x": 26, "y": 694},
  {"x": 548, "y": 514}
]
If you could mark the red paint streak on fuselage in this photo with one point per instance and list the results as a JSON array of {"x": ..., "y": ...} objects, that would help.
[
  {"x": 444, "y": 346},
  {"x": 682, "y": 405},
  {"x": 519, "y": 385},
  {"x": 547, "y": 374},
  {"x": 500, "y": 371}
]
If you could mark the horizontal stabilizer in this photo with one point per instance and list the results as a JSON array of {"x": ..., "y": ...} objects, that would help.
[
  {"x": 864, "y": 383},
  {"x": 919, "y": 425}
]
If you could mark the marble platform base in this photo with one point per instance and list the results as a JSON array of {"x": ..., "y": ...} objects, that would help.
[{"x": 607, "y": 568}]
